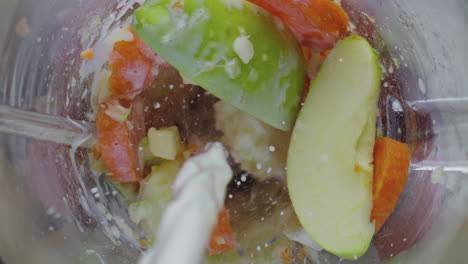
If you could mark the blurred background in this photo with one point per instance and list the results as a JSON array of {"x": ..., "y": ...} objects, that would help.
[
  {"x": 6, "y": 14},
  {"x": 6, "y": 7}
]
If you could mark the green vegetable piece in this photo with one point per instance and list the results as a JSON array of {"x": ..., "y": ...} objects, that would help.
[{"x": 233, "y": 49}]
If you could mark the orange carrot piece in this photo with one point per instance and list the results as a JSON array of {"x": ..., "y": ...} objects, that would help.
[
  {"x": 87, "y": 54},
  {"x": 118, "y": 141},
  {"x": 222, "y": 237},
  {"x": 319, "y": 23},
  {"x": 131, "y": 64},
  {"x": 96, "y": 151},
  {"x": 324, "y": 53},
  {"x": 391, "y": 164},
  {"x": 286, "y": 256}
]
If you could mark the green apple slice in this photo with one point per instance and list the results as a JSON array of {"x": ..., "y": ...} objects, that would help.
[
  {"x": 330, "y": 156},
  {"x": 233, "y": 49}
]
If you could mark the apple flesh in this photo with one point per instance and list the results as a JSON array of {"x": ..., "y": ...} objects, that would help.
[
  {"x": 330, "y": 157},
  {"x": 233, "y": 49}
]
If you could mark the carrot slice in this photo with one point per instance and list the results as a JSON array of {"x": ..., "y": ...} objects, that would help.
[
  {"x": 222, "y": 237},
  {"x": 131, "y": 63},
  {"x": 319, "y": 23},
  {"x": 118, "y": 139},
  {"x": 391, "y": 164}
]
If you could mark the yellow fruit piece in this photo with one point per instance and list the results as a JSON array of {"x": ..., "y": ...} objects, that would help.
[{"x": 165, "y": 142}]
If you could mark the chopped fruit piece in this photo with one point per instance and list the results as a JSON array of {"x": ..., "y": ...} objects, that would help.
[
  {"x": 132, "y": 64},
  {"x": 96, "y": 163},
  {"x": 142, "y": 242},
  {"x": 118, "y": 141},
  {"x": 286, "y": 256},
  {"x": 302, "y": 254},
  {"x": 118, "y": 112},
  {"x": 335, "y": 132},
  {"x": 391, "y": 164},
  {"x": 102, "y": 92},
  {"x": 139, "y": 210},
  {"x": 222, "y": 237},
  {"x": 156, "y": 188},
  {"x": 229, "y": 48},
  {"x": 87, "y": 54},
  {"x": 319, "y": 23},
  {"x": 165, "y": 142},
  {"x": 148, "y": 158}
]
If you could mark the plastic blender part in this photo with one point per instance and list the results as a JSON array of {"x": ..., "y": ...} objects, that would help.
[{"x": 45, "y": 127}]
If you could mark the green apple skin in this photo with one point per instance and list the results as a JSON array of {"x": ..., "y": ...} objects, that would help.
[
  {"x": 329, "y": 165},
  {"x": 197, "y": 37}
]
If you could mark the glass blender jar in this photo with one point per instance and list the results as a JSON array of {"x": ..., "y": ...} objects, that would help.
[{"x": 49, "y": 209}]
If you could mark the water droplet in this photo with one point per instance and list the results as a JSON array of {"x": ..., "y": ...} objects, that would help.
[
  {"x": 259, "y": 166},
  {"x": 422, "y": 87},
  {"x": 157, "y": 105},
  {"x": 341, "y": 60},
  {"x": 272, "y": 148},
  {"x": 51, "y": 211},
  {"x": 115, "y": 232},
  {"x": 323, "y": 158},
  {"x": 243, "y": 177},
  {"x": 109, "y": 217}
]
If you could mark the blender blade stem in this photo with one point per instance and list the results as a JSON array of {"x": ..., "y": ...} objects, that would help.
[{"x": 62, "y": 130}]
